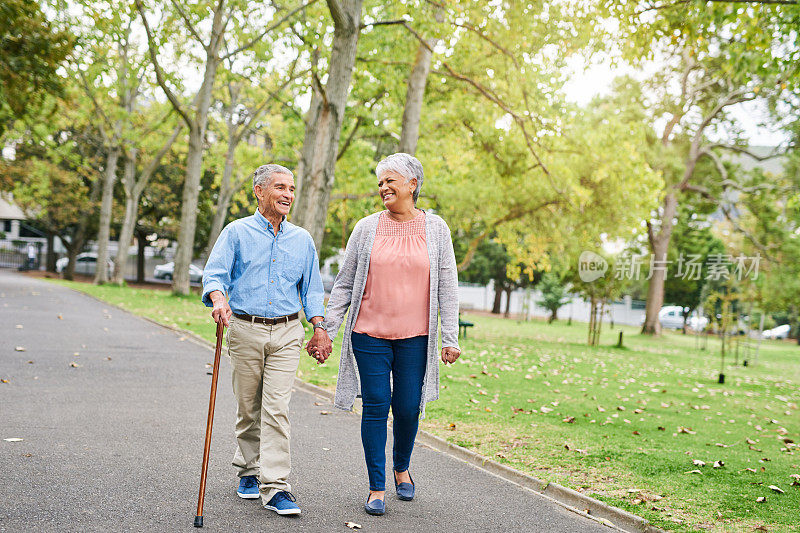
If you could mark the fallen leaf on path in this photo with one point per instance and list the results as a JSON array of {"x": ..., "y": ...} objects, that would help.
[
  {"x": 326, "y": 449},
  {"x": 3, "y": 381},
  {"x": 18, "y": 326},
  {"x": 352, "y": 525},
  {"x": 30, "y": 362},
  {"x": 776, "y": 489},
  {"x": 318, "y": 403},
  {"x": 20, "y": 348},
  {"x": 13, "y": 439},
  {"x": 324, "y": 413},
  {"x": 60, "y": 317}
]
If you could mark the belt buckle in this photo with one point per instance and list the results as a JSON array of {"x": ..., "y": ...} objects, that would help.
[
  {"x": 286, "y": 319},
  {"x": 252, "y": 320}
]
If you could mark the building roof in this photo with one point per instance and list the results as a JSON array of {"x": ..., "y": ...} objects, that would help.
[{"x": 8, "y": 209}]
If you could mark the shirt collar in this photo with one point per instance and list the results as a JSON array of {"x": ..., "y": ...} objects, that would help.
[{"x": 267, "y": 225}]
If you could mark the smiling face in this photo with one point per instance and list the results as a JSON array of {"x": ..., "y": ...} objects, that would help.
[
  {"x": 396, "y": 193},
  {"x": 276, "y": 197}
]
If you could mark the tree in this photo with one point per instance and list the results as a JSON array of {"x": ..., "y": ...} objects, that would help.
[
  {"x": 712, "y": 58},
  {"x": 30, "y": 53},
  {"x": 554, "y": 295},
  {"x": 216, "y": 47},
  {"x": 315, "y": 170}
]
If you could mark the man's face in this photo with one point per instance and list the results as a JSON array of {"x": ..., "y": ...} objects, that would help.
[{"x": 275, "y": 199}]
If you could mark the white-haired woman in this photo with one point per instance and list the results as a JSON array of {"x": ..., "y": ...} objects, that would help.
[{"x": 398, "y": 279}]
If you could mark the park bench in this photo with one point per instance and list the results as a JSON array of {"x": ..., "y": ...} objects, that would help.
[{"x": 463, "y": 325}]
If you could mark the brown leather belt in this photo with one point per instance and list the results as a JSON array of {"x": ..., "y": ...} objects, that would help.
[{"x": 268, "y": 321}]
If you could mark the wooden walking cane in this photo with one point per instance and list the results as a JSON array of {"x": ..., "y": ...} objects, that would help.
[{"x": 198, "y": 519}]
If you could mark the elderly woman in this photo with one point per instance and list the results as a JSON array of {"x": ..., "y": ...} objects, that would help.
[{"x": 398, "y": 279}]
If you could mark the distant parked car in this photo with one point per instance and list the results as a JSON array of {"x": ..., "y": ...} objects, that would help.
[
  {"x": 85, "y": 263},
  {"x": 166, "y": 270},
  {"x": 671, "y": 317},
  {"x": 780, "y": 332}
]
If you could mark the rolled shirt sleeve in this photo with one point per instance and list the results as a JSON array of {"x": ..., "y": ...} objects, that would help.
[{"x": 217, "y": 272}]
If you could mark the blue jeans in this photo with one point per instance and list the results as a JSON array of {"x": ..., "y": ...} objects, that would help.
[{"x": 376, "y": 358}]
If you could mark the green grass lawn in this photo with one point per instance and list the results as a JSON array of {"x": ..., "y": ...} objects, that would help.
[{"x": 623, "y": 425}]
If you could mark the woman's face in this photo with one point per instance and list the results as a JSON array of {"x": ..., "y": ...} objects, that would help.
[{"x": 396, "y": 193}]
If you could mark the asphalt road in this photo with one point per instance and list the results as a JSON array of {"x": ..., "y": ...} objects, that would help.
[{"x": 111, "y": 411}]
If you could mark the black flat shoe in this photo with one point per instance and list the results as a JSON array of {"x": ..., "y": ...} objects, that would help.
[{"x": 405, "y": 491}]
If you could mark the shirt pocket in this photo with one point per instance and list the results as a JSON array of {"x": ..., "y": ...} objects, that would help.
[{"x": 291, "y": 268}]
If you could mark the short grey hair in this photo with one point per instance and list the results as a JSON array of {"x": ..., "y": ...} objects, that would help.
[
  {"x": 405, "y": 165},
  {"x": 263, "y": 174}
]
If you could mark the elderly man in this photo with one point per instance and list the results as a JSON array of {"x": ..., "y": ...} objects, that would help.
[{"x": 266, "y": 266}]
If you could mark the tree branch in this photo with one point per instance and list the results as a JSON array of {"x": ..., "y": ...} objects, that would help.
[
  {"x": 159, "y": 72},
  {"x": 349, "y": 139},
  {"x": 189, "y": 24},
  {"x": 269, "y": 29}
]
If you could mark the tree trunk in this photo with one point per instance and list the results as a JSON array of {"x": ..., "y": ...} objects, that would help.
[
  {"x": 659, "y": 244},
  {"x": 226, "y": 190},
  {"x": 141, "y": 243},
  {"x": 186, "y": 231},
  {"x": 315, "y": 172},
  {"x": 109, "y": 179},
  {"x": 553, "y": 316},
  {"x": 508, "y": 303},
  {"x": 129, "y": 222},
  {"x": 498, "y": 298},
  {"x": 50, "y": 262},
  {"x": 592, "y": 316},
  {"x": 409, "y": 135}
]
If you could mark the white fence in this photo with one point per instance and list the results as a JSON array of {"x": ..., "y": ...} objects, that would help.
[{"x": 524, "y": 303}]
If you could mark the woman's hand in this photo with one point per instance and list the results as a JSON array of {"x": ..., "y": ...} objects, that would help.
[{"x": 450, "y": 354}]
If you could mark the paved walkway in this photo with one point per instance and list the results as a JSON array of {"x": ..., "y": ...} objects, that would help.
[{"x": 115, "y": 443}]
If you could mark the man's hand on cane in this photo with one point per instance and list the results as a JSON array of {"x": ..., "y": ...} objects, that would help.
[{"x": 221, "y": 310}]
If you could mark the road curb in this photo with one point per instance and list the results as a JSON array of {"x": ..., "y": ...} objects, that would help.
[{"x": 566, "y": 497}]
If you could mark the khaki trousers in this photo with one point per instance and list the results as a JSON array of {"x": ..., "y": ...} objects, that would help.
[{"x": 264, "y": 360}]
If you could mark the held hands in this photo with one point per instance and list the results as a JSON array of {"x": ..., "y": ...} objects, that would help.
[
  {"x": 320, "y": 346},
  {"x": 450, "y": 354}
]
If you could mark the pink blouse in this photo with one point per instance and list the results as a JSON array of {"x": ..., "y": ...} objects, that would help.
[{"x": 396, "y": 297}]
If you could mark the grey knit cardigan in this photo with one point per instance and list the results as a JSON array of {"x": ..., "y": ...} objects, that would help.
[{"x": 349, "y": 288}]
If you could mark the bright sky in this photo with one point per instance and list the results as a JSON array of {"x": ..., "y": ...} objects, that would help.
[{"x": 596, "y": 79}]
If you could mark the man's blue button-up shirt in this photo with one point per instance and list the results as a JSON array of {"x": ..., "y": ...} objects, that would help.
[{"x": 264, "y": 273}]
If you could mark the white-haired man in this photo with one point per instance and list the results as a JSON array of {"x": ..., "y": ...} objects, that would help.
[{"x": 267, "y": 267}]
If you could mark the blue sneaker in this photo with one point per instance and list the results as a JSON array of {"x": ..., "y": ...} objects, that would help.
[
  {"x": 248, "y": 488},
  {"x": 283, "y": 503}
]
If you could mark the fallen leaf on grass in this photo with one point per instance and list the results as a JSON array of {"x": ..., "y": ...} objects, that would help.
[
  {"x": 662, "y": 428},
  {"x": 755, "y": 449},
  {"x": 689, "y": 431},
  {"x": 795, "y": 479},
  {"x": 636, "y": 433},
  {"x": 750, "y": 441},
  {"x": 760, "y": 528},
  {"x": 352, "y": 525},
  {"x": 719, "y": 464},
  {"x": 545, "y": 409},
  {"x": 20, "y": 349},
  {"x": 451, "y": 427},
  {"x": 698, "y": 462},
  {"x": 761, "y": 499},
  {"x": 569, "y": 420},
  {"x": 620, "y": 408},
  {"x": 776, "y": 489},
  {"x": 753, "y": 470},
  {"x": 13, "y": 439},
  {"x": 693, "y": 472}
]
